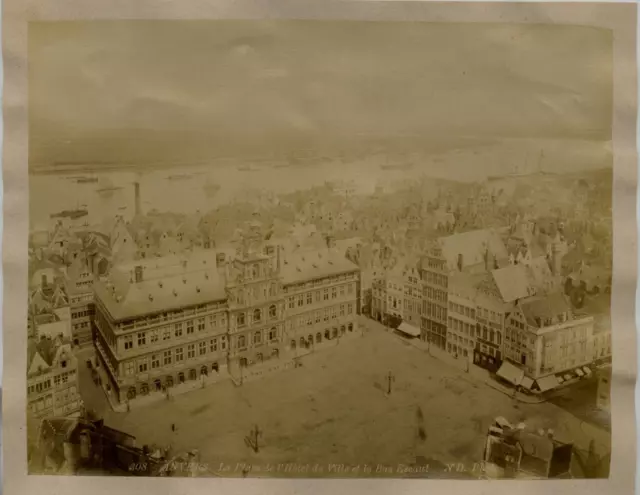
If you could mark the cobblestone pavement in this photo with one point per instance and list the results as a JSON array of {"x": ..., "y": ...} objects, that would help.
[{"x": 336, "y": 411}]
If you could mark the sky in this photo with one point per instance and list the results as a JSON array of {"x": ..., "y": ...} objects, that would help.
[{"x": 161, "y": 90}]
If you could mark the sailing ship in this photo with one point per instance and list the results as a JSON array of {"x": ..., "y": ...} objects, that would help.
[
  {"x": 79, "y": 212},
  {"x": 106, "y": 186},
  {"x": 518, "y": 171},
  {"x": 86, "y": 180}
]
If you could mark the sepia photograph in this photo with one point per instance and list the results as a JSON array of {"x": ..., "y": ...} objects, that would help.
[{"x": 320, "y": 249}]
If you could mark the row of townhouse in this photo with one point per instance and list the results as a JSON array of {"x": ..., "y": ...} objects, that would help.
[
  {"x": 478, "y": 303},
  {"x": 164, "y": 321}
]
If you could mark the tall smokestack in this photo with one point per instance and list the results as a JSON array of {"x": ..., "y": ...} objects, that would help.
[{"x": 136, "y": 189}]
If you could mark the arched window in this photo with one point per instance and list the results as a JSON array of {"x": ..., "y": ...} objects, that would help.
[
  {"x": 318, "y": 337},
  {"x": 242, "y": 341},
  {"x": 342, "y": 330},
  {"x": 257, "y": 337},
  {"x": 241, "y": 319},
  {"x": 492, "y": 335},
  {"x": 273, "y": 311},
  {"x": 257, "y": 315},
  {"x": 327, "y": 334},
  {"x": 302, "y": 342},
  {"x": 293, "y": 344},
  {"x": 350, "y": 327}
]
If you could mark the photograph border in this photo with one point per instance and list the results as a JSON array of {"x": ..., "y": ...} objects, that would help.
[{"x": 620, "y": 18}]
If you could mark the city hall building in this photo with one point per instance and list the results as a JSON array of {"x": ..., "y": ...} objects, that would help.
[{"x": 165, "y": 321}]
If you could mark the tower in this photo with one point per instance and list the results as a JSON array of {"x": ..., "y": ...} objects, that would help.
[{"x": 136, "y": 192}]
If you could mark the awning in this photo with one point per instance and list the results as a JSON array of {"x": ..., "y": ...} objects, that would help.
[
  {"x": 511, "y": 373},
  {"x": 547, "y": 383},
  {"x": 586, "y": 370},
  {"x": 526, "y": 383},
  {"x": 579, "y": 372},
  {"x": 409, "y": 329}
]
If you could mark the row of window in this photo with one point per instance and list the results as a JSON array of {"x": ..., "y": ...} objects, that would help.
[
  {"x": 435, "y": 264},
  {"x": 462, "y": 310},
  {"x": 461, "y": 326},
  {"x": 516, "y": 323},
  {"x": 434, "y": 294},
  {"x": 517, "y": 337},
  {"x": 453, "y": 338},
  {"x": 83, "y": 314},
  {"x": 413, "y": 306},
  {"x": 328, "y": 335},
  {"x": 257, "y": 338},
  {"x": 434, "y": 310},
  {"x": 317, "y": 296},
  {"x": 318, "y": 283},
  {"x": 176, "y": 355},
  {"x": 436, "y": 279},
  {"x": 488, "y": 335},
  {"x": 255, "y": 316},
  {"x": 46, "y": 384},
  {"x": 177, "y": 330},
  {"x": 315, "y": 317},
  {"x": 244, "y": 294},
  {"x": 488, "y": 315}
]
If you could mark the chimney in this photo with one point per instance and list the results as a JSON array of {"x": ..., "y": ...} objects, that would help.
[
  {"x": 138, "y": 205},
  {"x": 138, "y": 273}
]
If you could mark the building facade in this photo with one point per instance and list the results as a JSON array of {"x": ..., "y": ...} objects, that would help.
[
  {"x": 256, "y": 307},
  {"x": 461, "y": 321},
  {"x": 412, "y": 310},
  {"x": 435, "y": 283},
  {"x": 167, "y": 321},
  {"x": 159, "y": 324},
  {"x": 79, "y": 288},
  {"x": 321, "y": 291},
  {"x": 52, "y": 379},
  {"x": 545, "y": 338}
]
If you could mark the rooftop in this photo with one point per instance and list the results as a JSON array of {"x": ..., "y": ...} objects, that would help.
[
  {"x": 164, "y": 285},
  {"x": 472, "y": 247},
  {"x": 314, "y": 264},
  {"x": 537, "y": 310}
]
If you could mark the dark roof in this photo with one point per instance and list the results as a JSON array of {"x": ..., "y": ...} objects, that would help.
[{"x": 544, "y": 307}]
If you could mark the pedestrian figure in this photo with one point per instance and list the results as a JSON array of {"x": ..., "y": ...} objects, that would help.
[{"x": 173, "y": 427}]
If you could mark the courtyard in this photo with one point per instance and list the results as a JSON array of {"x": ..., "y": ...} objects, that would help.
[{"x": 333, "y": 415}]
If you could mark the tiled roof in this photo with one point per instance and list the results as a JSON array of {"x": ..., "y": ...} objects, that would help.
[
  {"x": 314, "y": 264},
  {"x": 519, "y": 281},
  {"x": 165, "y": 285},
  {"x": 544, "y": 307},
  {"x": 472, "y": 246}
]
